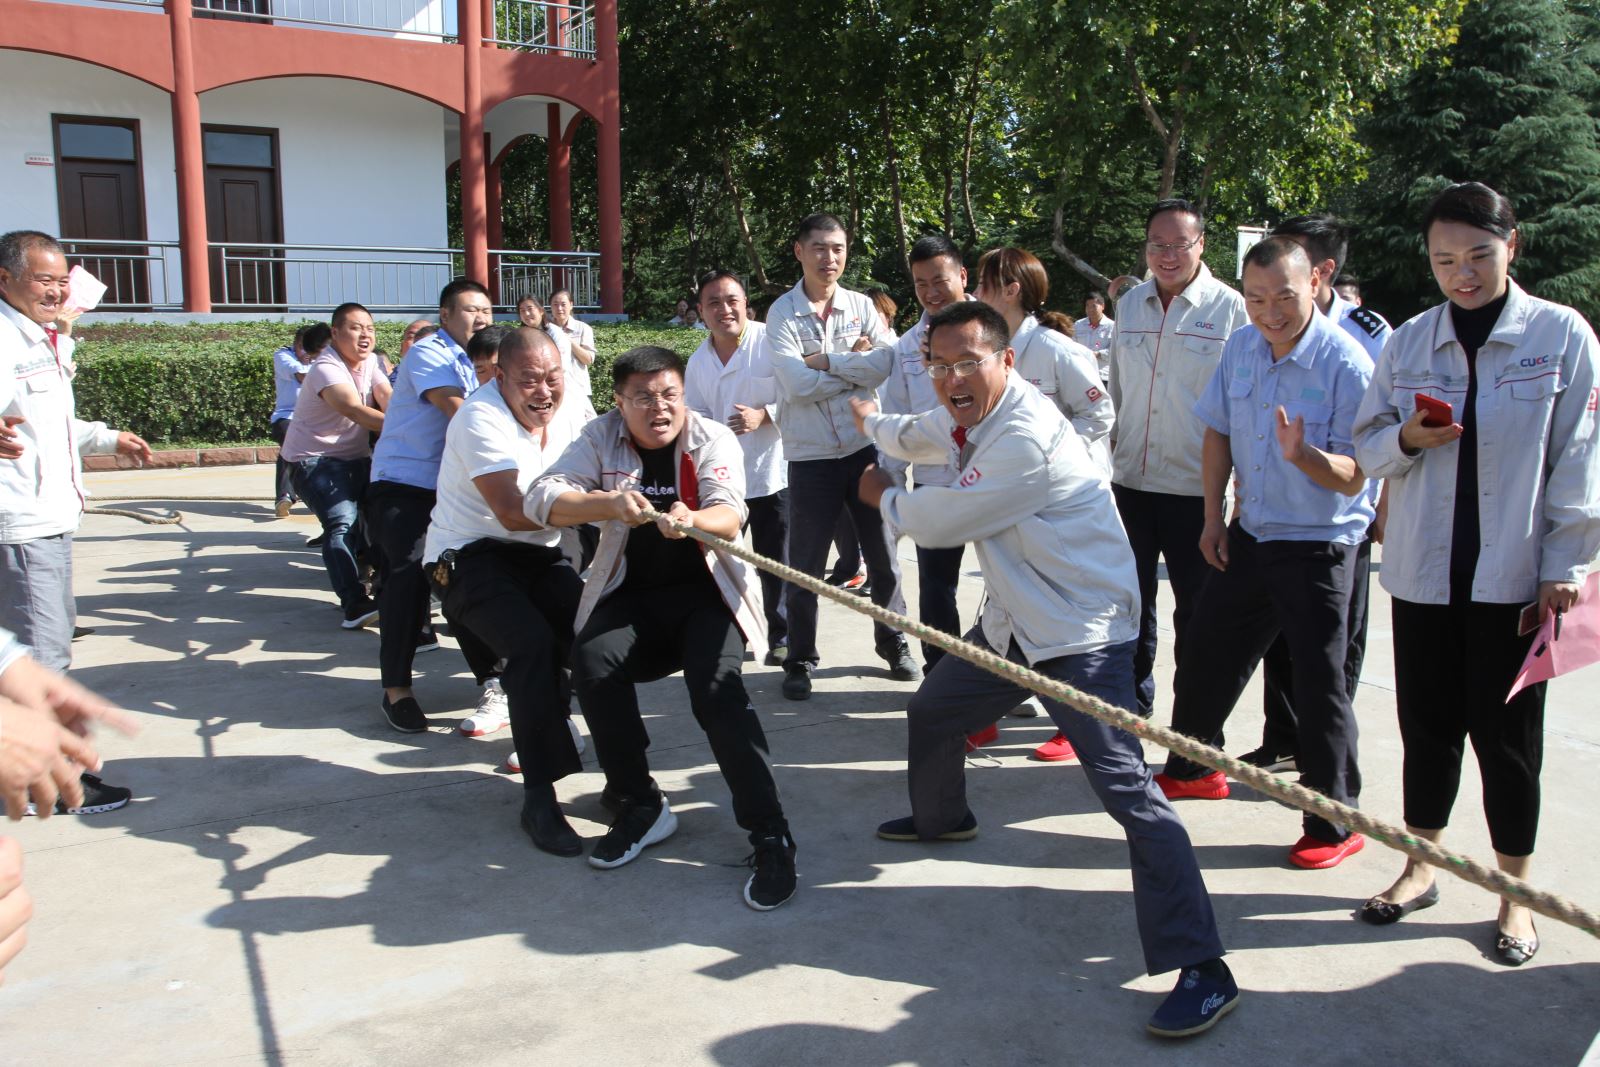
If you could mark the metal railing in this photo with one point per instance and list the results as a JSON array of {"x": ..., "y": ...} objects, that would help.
[
  {"x": 404, "y": 18},
  {"x": 320, "y": 277},
  {"x": 538, "y": 274},
  {"x": 565, "y": 29},
  {"x": 138, "y": 275}
]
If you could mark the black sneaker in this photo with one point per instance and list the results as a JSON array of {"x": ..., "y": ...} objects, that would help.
[
  {"x": 640, "y": 825},
  {"x": 613, "y": 800},
  {"x": 97, "y": 797},
  {"x": 902, "y": 668},
  {"x": 905, "y": 829},
  {"x": 797, "y": 681},
  {"x": 1203, "y": 995},
  {"x": 405, "y": 715},
  {"x": 316, "y": 542},
  {"x": 1268, "y": 760},
  {"x": 427, "y": 640},
  {"x": 774, "y": 879},
  {"x": 359, "y": 614},
  {"x": 548, "y": 829}
]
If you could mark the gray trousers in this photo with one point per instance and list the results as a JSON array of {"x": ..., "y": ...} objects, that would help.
[
  {"x": 1176, "y": 925},
  {"x": 36, "y": 600}
]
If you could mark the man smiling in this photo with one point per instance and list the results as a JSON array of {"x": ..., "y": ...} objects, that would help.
[{"x": 1061, "y": 598}]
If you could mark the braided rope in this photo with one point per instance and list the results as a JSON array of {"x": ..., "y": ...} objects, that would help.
[
  {"x": 1298, "y": 796},
  {"x": 172, "y": 517}
]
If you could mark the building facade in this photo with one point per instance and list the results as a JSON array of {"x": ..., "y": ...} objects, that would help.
[{"x": 287, "y": 155}]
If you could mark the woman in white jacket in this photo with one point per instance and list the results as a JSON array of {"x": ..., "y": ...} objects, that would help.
[{"x": 1490, "y": 508}]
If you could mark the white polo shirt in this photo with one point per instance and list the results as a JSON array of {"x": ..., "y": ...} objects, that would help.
[
  {"x": 484, "y": 437},
  {"x": 578, "y": 333},
  {"x": 711, "y": 388},
  {"x": 1161, "y": 361}
]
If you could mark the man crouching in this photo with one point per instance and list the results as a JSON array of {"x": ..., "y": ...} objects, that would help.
[
  {"x": 656, "y": 601},
  {"x": 1062, "y": 598}
]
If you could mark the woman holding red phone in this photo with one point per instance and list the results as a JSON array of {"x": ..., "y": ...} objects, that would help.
[{"x": 1489, "y": 508}]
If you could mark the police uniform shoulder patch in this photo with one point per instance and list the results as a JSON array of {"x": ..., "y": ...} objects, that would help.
[{"x": 1368, "y": 320}]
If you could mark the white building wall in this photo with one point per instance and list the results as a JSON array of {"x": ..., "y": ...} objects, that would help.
[
  {"x": 358, "y": 165},
  {"x": 38, "y": 86}
]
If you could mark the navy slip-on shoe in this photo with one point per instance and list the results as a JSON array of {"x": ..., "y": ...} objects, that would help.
[{"x": 1195, "y": 1003}]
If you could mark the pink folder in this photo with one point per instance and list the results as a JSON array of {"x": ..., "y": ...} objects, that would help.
[{"x": 1578, "y": 645}]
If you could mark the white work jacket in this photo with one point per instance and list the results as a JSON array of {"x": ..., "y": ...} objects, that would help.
[{"x": 1066, "y": 373}]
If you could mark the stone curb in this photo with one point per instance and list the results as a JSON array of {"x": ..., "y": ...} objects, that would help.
[{"x": 186, "y": 457}]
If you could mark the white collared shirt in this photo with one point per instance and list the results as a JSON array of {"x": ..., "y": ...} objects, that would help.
[
  {"x": 578, "y": 333},
  {"x": 1161, "y": 360},
  {"x": 711, "y": 388},
  {"x": 1096, "y": 339}
]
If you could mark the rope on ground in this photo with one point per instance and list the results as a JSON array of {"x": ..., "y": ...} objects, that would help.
[
  {"x": 172, "y": 517},
  {"x": 1496, "y": 881}
]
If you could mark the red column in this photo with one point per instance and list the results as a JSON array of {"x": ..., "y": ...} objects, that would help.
[
  {"x": 194, "y": 252},
  {"x": 489, "y": 27},
  {"x": 492, "y": 198},
  {"x": 474, "y": 202},
  {"x": 560, "y": 183},
  {"x": 610, "y": 160}
]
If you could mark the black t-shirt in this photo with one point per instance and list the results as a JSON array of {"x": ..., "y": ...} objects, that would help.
[
  {"x": 654, "y": 561},
  {"x": 1473, "y": 328}
]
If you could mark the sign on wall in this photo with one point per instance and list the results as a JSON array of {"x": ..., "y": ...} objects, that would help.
[{"x": 39, "y": 159}]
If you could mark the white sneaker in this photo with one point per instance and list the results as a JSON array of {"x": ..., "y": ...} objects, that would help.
[
  {"x": 493, "y": 713},
  {"x": 513, "y": 764}
]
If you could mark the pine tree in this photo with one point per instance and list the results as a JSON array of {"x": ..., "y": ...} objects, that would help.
[{"x": 1513, "y": 103}]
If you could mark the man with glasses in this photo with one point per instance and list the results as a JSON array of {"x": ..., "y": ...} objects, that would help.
[
  {"x": 656, "y": 601},
  {"x": 1061, "y": 599},
  {"x": 1165, "y": 345},
  {"x": 827, "y": 344}
]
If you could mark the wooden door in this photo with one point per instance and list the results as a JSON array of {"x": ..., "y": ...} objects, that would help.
[
  {"x": 243, "y": 214},
  {"x": 101, "y": 197}
]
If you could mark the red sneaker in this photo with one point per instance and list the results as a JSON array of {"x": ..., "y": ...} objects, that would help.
[
  {"x": 987, "y": 735},
  {"x": 1316, "y": 855},
  {"x": 1055, "y": 750},
  {"x": 1213, "y": 786}
]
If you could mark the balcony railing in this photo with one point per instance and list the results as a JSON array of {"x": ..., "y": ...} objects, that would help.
[
  {"x": 138, "y": 275},
  {"x": 402, "y": 18},
  {"x": 320, "y": 277},
  {"x": 553, "y": 28}
]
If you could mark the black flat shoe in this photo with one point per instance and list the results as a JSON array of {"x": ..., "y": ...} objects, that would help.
[
  {"x": 549, "y": 830},
  {"x": 1381, "y": 912},
  {"x": 1514, "y": 951}
]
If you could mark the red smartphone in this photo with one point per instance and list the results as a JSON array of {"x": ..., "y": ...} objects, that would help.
[{"x": 1436, "y": 413}]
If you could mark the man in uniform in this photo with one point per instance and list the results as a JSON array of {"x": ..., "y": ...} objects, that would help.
[
  {"x": 1164, "y": 347},
  {"x": 1094, "y": 330}
]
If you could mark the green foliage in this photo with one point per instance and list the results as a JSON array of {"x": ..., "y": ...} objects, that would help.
[
  {"x": 1512, "y": 103},
  {"x": 213, "y": 382}
]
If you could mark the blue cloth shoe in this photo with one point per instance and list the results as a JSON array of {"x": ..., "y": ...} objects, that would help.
[{"x": 1195, "y": 1003}]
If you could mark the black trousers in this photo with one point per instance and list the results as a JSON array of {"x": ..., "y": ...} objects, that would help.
[
  {"x": 283, "y": 486},
  {"x": 1280, "y": 733},
  {"x": 399, "y": 516},
  {"x": 643, "y": 635},
  {"x": 938, "y": 572},
  {"x": 1453, "y": 666},
  {"x": 769, "y": 535},
  {"x": 1300, "y": 589},
  {"x": 1162, "y": 525},
  {"x": 520, "y": 601}
]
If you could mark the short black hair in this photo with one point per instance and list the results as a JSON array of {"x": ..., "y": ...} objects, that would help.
[
  {"x": 645, "y": 360},
  {"x": 712, "y": 277},
  {"x": 345, "y": 310},
  {"x": 1178, "y": 204},
  {"x": 1325, "y": 236},
  {"x": 935, "y": 246},
  {"x": 1349, "y": 280},
  {"x": 448, "y": 294},
  {"x": 16, "y": 245},
  {"x": 1266, "y": 252},
  {"x": 818, "y": 222},
  {"x": 1474, "y": 204},
  {"x": 486, "y": 342},
  {"x": 1097, "y": 296},
  {"x": 996, "y": 334},
  {"x": 317, "y": 337}
]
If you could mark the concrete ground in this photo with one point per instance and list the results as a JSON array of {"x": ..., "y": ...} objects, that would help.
[{"x": 298, "y": 884}]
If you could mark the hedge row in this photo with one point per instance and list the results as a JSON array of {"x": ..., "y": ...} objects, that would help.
[{"x": 212, "y": 382}]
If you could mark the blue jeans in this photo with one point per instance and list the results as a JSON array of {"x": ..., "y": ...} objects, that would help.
[
  {"x": 333, "y": 488},
  {"x": 1170, "y": 902}
]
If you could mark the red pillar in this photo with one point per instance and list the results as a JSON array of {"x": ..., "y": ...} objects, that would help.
[
  {"x": 560, "y": 183},
  {"x": 474, "y": 202},
  {"x": 194, "y": 251},
  {"x": 489, "y": 28},
  {"x": 610, "y": 160},
  {"x": 492, "y": 198}
]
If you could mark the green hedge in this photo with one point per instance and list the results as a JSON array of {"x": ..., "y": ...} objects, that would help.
[{"x": 212, "y": 382}]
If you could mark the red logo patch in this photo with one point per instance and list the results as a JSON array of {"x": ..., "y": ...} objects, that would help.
[
  {"x": 1594, "y": 399},
  {"x": 970, "y": 479},
  {"x": 1093, "y": 394},
  {"x": 719, "y": 473}
]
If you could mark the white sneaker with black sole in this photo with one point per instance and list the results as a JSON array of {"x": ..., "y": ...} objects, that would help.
[{"x": 637, "y": 828}]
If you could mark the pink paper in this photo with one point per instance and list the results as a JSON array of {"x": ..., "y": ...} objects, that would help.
[
  {"x": 1578, "y": 645},
  {"x": 84, "y": 290}
]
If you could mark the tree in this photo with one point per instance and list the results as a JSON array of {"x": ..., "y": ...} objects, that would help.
[{"x": 1512, "y": 103}]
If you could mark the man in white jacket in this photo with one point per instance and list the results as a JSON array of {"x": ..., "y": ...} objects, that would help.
[
  {"x": 1062, "y": 597},
  {"x": 41, "y": 480}
]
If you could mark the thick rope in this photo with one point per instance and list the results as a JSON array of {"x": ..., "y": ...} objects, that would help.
[
  {"x": 171, "y": 518},
  {"x": 1294, "y": 795}
]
